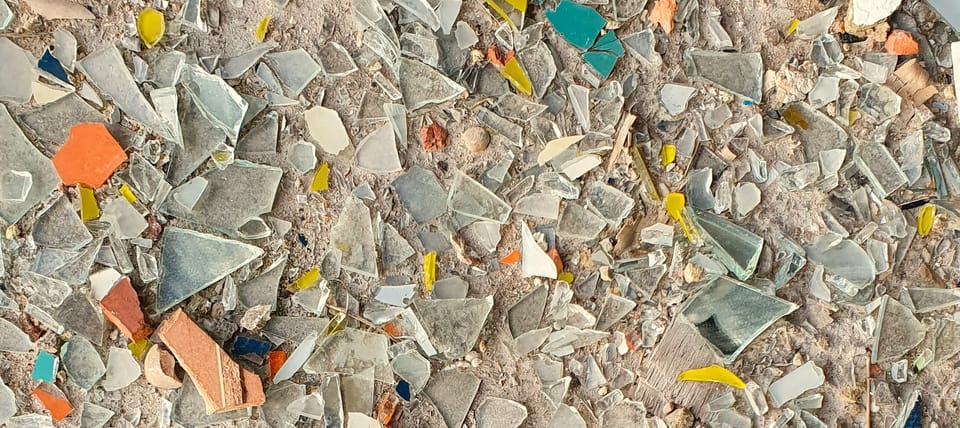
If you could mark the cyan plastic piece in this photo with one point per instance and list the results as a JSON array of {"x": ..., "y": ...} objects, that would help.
[
  {"x": 51, "y": 65},
  {"x": 578, "y": 24},
  {"x": 45, "y": 368}
]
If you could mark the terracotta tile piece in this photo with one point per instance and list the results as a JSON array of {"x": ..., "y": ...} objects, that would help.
[
  {"x": 89, "y": 156},
  {"x": 122, "y": 307},
  {"x": 158, "y": 368},
  {"x": 223, "y": 384},
  {"x": 54, "y": 400},
  {"x": 900, "y": 42}
]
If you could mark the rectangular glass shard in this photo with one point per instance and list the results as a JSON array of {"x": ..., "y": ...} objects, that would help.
[
  {"x": 106, "y": 70},
  {"x": 217, "y": 100},
  {"x": 876, "y": 163},
  {"x": 351, "y": 351},
  {"x": 510, "y": 131},
  {"x": 737, "y": 248},
  {"x": 353, "y": 236},
  {"x": 795, "y": 383},
  {"x": 738, "y": 73},
  {"x": 730, "y": 314},
  {"x": 471, "y": 199}
]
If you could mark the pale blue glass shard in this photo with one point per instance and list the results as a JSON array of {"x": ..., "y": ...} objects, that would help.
[
  {"x": 578, "y": 24},
  {"x": 420, "y": 194},
  {"x": 470, "y": 198},
  {"x": 191, "y": 261},
  {"x": 200, "y": 138},
  {"x": 6, "y": 15},
  {"x": 295, "y": 69},
  {"x": 730, "y": 314},
  {"x": 739, "y": 73},
  {"x": 737, "y": 248},
  {"x": 217, "y": 101},
  {"x": 82, "y": 362},
  {"x": 107, "y": 71},
  {"x": 20, "y": 155},
  {"x": 423, "y": 85},
  {"x": 353, "y": 235}
]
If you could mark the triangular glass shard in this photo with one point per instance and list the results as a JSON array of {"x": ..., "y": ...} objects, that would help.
[
  {"x": 106, "y": 70},
  {"x": 730, "y": 314},
  {"x": 579, "y": 223},
  {"x": 921, "y": 300},
  {"x": 452, "y": 391},
  {"x": 377, "y": 152},
  {"x": 818, "y": 132},
  {"x": 737, "y": 248},
  {"x": 12, "y": 339},
  {"x": 295, "y": 69},
  {"x": 580, "y": 101},
  {"x": 82, "y": 362},
  {"x": 352, "y": 351},
  {"x": 21, "y": 156},
  {"x": 255, "y": 185},
  {"x": 19, "y": 72},
  {"x": 234, "y": 67},
  {"x": 262, "y": 289},
  {"x": 525, "y": 315},
  {"x": 166, "y": 102},
  {"x": 543, "y": 74},
  {"x": 59, "y": 226},
  {"x": 897, "y": 332},
  {"x": 336, "y": 61},
  {"x": 395, "y": 247},
  {"x": 421, "y": 194},
  {"x": 739, "y": 73},
  {"x": 94, "y": 416},
  {"x": 566, "y": 417},
  {"x": 542, "y": 205},
  {"x": 614, "y": 309},
  {"x": 453, "y": 325},
  {"x": 471, "y": 199},
  {"x": 217, "y": 101},
  {"x": 190, "y": 410},
  {"x": 261, "y": 138},
  {"x": 496, "y": 412},
  {"x": 517, "y": 107},
  {"x": 51, "y": 122},
  {"x": 279, "y": 397},
  {"x": 192, "y": 261},
  {"x": 533, "y": 260},
  {"x": 292, "y": 329},
  {"x": 353, "y": 235},
  {"x": 200, "y": 139},
  {"x": 81, "y": 315},
  {"x": 423, "y": 85}
]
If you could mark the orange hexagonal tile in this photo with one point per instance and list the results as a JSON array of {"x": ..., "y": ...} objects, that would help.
[{"x": 89, "y": 156}]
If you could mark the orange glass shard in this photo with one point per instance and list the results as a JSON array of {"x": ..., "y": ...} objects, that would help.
[
  {"x": 276, "y": 359},
  {"x": 511, "y": 258},
  {"x": 662, "y": 14},
  {"x": 713, "y": 373},
  {"x": 121, "y": 306},
  {"x": 555, "y": 256},
  {"x": 54, "y": 400},
  {"x": 89, "y": 156},
  {"x": 387, "y": 408},
  {"x": 222, "y": 383}
]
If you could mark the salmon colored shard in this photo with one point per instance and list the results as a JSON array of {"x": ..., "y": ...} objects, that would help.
[
  {"x": 150, "y": 27},
  {"x": 320, "y": 178},
  {"x": 433, "y": 136},
  {"x": 662, "y": 14},
  {"x": 925, "y": 220},
  {"x": 555, "y": 256},
  {"x": 89, "y": 156},
  {"x": 276, "y": 359},
  {"x": 429, "y": 270},
  {"x": 89, "y": 210},
  {"x": 511, "y": 258},
  {"x": 158, "y": 368},
  {"x": 222, "y": 383},
  {"x": 493, "y": 55},
  {"x": 900, "y": 42},
  {"x": 139, "y": 348},
  {"x": 713, "y": 373},
  {"x": 121, "y": 306},
  {"x": 127, "y": 193},
  {"x": 54, "y": 400},
  {"x": 261, "y": 32},
  {"x": 517, "y": 77},
  {"x": 387, "y": 408}
]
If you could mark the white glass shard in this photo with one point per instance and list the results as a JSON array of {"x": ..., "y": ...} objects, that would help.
[
  {"x": 377, "y": 152},
  {"x": 534, "y": 261}
]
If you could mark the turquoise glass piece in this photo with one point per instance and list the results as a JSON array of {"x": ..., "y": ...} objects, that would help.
[
  {"x": 578, "y": 24},
  {"x": 602, "y": 62},
  {"x": 45, "y": 368},
  {"x": 609, "y": 42}
]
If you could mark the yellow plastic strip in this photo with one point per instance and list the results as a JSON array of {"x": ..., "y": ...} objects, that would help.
[
  {"x": 640, "y": 167},
  {"x": 712, "y": 373},
  {"x": 429, "y": 271},
  {"x": 128, "y": 194}
]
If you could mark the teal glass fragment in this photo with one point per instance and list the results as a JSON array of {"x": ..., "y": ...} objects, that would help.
[
  {"x": 578, "y": 24},
  {"x": 45, "y": 367},
  {"x": 602, "y": 62}
]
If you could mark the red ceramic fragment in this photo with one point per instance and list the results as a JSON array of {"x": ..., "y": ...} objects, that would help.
[{"x": 122, "y": 307}]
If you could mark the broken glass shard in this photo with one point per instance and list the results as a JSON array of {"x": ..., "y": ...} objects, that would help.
[
  {"x": 566, "y": 417},
  {"x": 200, "y": 139},
  {"x": 302, "y": 156},
  {"x": 524, "y": 316},
  {"x": 697, "y": 189},
  {"x": 578, "y": 24},
  {"x": 580, "y": 165},
  {"x": 876, "y": 163},
  {"x": 579, "y": 223},
  {"x": 106, "y": 70},
  {"x": 12, "y": 339},
  {"x": 614, "y": 309},
  {"x": 471, "y": 199},
  {"x": 351, "y": 351},
  {"x": 262, "y": 289},
  {"x": 921, "y": 300},
  {"x": 847, "y": 265},
  {"x": 326, "y": 129},
  {"x": 896, "y": 333},
  {"x": 423, "y": 85},
  {"x": 674, "y": 98},
  {"x": 82, "y": 362},
  {"x": 465, "y": 35},
  {"x": 80, "y": 314},
  {"x": 295, "y": 69},
  {"x": 879, "y": 102},
  {"x": 182, "y": 274},
  {"x": 558, "y": 185},
  {"x": 739, "y": 73},
  {"x": 377, "y": 152},
  {"x": 335, "y": 61},
  {"x": 190, "y": 192},
  {"x": 218, "y": 102},
  {"x": 798, "y": 177},
  {"x": 453, "y": 325},
  {"x": 127, "y": 222},
  {"x": 730, "y": 314},
  {"x": 746, "y": 198},
  {"x": 59, "y": 226},
  {"x": 453, "y": 391},
  {"x": 826, "y": 91},
  {"x": 234, "y": 67},
  {"x": 611, "y": 203},
  {"x": 21, "y": 156},
  {"x": 94, "y": 416},
  {"x": 580, "y": 101},
  {"x": 310, "y": 406},
  {"x": 737, "y": 248},
  {"x": 48, "y": 122},
  {"x": 19, "y": 72},
  {"x": 279, "y": 397},
  {"x": 496, "y": 412},
  {"x": 395, "y": 247},
  {"x": 353, "y": 236},
  {"x": 122, "y": 369},
  {"x": 542, "y": 205},
  {"x": 795, "y": 383},
  {"x": 534, "y": 261}
]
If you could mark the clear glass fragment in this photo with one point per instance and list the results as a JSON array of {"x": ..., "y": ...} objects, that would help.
[
  {"x": 377, "y": 152},
  {"x": 353, "y": 235},
  {"x": 423, "y": 85},
  {"x": 453, "y": 325},
  {"x": 579, "y": 223},
  {"x": 896, "y": 333},
  {"x": 295, "y": 69},
  {"x": 795, "y": 383},
  {"x": 739, "y": 73},
  {"x": 495, "y": 412},
  {"x": 217, "y": 101},
  {"x": 452, "y": 391}
]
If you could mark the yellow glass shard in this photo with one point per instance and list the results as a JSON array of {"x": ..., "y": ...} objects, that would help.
[
  {"x": 520, "y": 5},
  {"x": 139, "y": 348},
  {"x": 668, "y": 154},
  {"x": 261, "y": 32},
  {"x": 502, "y": 12},
  {"x": 925, "y": 220},
  {"x": 89, "y": 210},
  {"x": 127, "y": 193},
  {"x": 794, "y": 118},
  {"x": 674, "y": 204},
  {"x": 150, "y": 27},
  {"x": 320, "y": 178},
  {"x": 640, "y": 168},
  {"x": 792, "y": 27},
  {"x": 337, "y": 323},
  {"x": 566, "y": 277},
  {"x": 514, "y": 73},
  {"x": 308, "y": 279},
  {"x": 854, "y": 117},
  {"x": 429, "y": 270},
  {"x": 713, "y": 373}
]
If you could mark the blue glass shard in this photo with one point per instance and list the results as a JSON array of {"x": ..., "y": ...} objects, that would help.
[
  {"x": 244, "y": 345},
  {"x": 403, "y": 390},
  {"x": 578, "y": 24},
  {"x": 913, "y": 421},
  {"x": 52, "y": 66}
]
